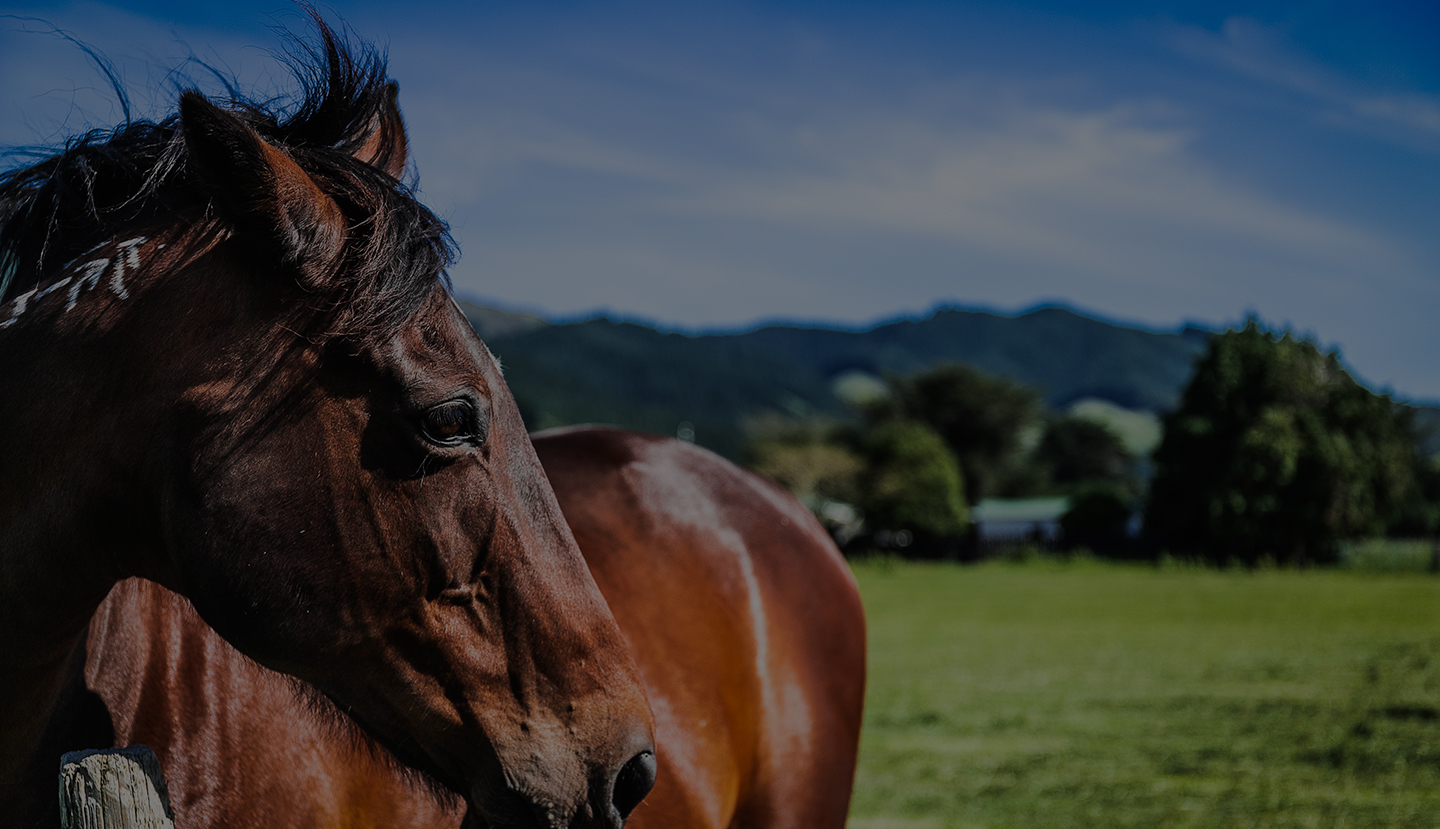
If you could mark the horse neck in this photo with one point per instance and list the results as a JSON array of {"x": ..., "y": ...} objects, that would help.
[
  {"x": 76, "y": 379},
  {"x": 50, "y": 584},
  {"x": 88, "y": 358}
]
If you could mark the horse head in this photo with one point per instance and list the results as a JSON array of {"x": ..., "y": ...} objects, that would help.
[{"x": 306, "y": 439}]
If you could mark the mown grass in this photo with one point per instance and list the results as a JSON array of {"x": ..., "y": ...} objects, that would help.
[
  {"x": 1388, "y": 555},
  {"x": 1098, "y": 695}
]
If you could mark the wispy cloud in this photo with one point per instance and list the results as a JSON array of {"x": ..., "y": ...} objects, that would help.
[
  {"x": 1264, "y": 54},
  {"x": 1101, "y": 198},
  {"x": 1418, "y": 112},
  {"x": 1079, "y": 190}
]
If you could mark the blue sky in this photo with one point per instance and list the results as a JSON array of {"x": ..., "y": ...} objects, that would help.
[{"x": 708, "y": 165}]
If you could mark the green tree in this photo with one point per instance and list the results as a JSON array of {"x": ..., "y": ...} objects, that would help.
[
  {"x": 1097, "y": 520},
  {"x": 1275, "y": 450},
  {"x": 1077, "y": 453},
  {"x": 813, "y": 471},
  {"x": 911, "y": 481},
  {"x": 813, "y": 458},
  {"x": 984, "y": 419}
]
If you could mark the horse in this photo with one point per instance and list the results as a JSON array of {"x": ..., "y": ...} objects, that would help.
[
  {"x": 744, "y": 621},
  {"x": 231, "y": 370}
]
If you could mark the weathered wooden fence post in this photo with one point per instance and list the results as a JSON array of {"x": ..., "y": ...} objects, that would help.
[{"x": 117, "y": 788}]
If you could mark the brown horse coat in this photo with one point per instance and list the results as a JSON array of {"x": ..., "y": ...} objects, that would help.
[
  {"x": 745, "y": 622},
  {"x": 743, "y": 618}
]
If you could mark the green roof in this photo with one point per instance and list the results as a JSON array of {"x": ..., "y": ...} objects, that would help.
[{"x": 1020, "y": 509}]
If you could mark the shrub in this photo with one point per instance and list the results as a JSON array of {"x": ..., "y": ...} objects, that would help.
[
  {"x": 1275, "y": 451},
  {"x": 911, "y": 482}
]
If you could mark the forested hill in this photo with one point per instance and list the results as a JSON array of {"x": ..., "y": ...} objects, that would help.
[{"x": 600, "y": 370}]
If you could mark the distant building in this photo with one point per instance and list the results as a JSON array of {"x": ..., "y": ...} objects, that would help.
[{"x": 1004, "y": 523}]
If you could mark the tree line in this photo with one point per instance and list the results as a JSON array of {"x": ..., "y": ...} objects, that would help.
[{"x": 1274, "y": 451}]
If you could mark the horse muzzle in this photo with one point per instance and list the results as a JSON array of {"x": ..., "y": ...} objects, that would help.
[{"x": 608, "y": 802}]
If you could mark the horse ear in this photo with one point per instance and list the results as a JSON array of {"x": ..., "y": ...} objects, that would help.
[
  {"x": 262, "y": 190},
  {"x": 384, "y": 145}
]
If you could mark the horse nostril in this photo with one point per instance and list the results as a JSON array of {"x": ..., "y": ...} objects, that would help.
[{"x": 635, "y": 780}]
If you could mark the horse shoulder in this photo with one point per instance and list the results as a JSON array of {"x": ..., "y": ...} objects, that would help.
[
  {"x": 240, "y": 745},
  {"x": 744, "y": 620}
]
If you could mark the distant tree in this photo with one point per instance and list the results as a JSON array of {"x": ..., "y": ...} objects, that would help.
[
  {"x": 814, "y": 458},
  {"x": 813, "y": 471},
  {"x": 982, "y": 418},
  {"x": 1275, "y": 450},
  {"x": 911, "y": 482},
  {"x": 1078, "y": 453},
  {"x": 1420, "y": 515},
  {"x": 1097, "y": 520}
]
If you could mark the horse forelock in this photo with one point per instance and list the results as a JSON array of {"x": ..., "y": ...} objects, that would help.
[{"x": 104, "y": 184}]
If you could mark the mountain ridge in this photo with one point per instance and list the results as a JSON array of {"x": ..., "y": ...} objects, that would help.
[
  {"x": 501, "y": 310},
  {"x": 637, "y": 375}
]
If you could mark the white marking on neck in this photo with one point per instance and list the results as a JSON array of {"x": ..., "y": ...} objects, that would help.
[
  {"x": 92, "y": 269},
  {"x": 54, "y": 286},
  {"x": 127, "y": 257},
  {"x": 20, "y": 303},
  {"x": 68, "y": 265}
]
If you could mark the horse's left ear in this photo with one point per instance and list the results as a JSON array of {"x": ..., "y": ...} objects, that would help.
[
  {"x": 263, "y": 191},
  {"x": 385, "y": 145}
]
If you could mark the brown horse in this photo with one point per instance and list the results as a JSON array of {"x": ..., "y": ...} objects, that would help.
[
  {"x": 230, "y": 365},
  {"x": 743, "y": 618},
  {"x": 744, "y": 621}
]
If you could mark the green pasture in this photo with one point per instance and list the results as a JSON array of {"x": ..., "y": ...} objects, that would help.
[{"x": 1100, "y": 695}]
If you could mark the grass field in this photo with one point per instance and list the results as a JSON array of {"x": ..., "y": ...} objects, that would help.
[{"x": 1099, "y": 695}]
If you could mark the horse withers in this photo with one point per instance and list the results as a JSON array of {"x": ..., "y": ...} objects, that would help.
[{"x": 230, "y": 366}]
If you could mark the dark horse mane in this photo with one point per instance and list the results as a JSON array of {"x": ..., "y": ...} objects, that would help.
[{"x": 83, "y": 194}]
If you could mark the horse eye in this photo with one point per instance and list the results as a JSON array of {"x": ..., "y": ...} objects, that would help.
[{"x": 449, "y": 423}]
